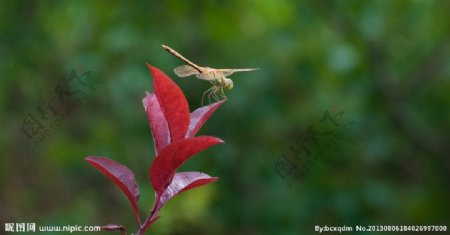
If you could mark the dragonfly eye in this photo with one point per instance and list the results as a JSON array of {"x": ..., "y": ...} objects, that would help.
[{"x": 228, "y": 84}]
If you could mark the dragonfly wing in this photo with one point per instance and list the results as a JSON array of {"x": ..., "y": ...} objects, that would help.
[
  {"x": 228, "y": 72},
  {"x": 204, "y": 76},
  {"x": 185, "y": 71}
]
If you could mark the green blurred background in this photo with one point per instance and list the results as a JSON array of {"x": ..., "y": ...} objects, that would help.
[{"x": 385, "y": 64}]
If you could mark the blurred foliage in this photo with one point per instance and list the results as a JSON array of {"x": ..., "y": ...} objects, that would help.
[{"x": 384, "y": 63}]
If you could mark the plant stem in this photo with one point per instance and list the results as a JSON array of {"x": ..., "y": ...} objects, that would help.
[{"x": 152, "y": 216}]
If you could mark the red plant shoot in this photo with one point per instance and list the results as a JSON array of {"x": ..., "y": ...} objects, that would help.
[{"x": 173, "y": 129}]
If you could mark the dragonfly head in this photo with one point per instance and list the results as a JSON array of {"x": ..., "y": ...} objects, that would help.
[{"x": 228, "y": 84}]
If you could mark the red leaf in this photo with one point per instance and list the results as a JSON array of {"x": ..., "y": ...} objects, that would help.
[
  {"x": 121, "y": 176},
  {"x": 157, "y": 121},
  {"x": 184, "y": 181},
  {"x": 114, "y": 227},
  {"x": 173, "y": 156},
  {"x": 173, "y": 103},
  {"x": 200, "y": 116}
]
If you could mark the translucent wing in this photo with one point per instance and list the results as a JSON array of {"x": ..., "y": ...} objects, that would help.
[
  {"x": 185, "y": 71},
  {"x": 204, "y": 76},
  {"x": 228, "y": 72}
]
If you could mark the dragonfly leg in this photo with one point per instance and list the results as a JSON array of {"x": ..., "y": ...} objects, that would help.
[
  {"x": 204, "y": 93},
  {"x": 216, "y": 91},
  {"x": 209, "y": 97},
  {"x": 222, "y": 94},
  {"x": 211, "y": 93}
]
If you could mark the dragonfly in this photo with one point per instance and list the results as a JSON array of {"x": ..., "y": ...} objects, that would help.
[{"x": 217, "y": 77}]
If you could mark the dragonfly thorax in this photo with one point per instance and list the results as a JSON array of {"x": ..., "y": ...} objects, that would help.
[
  {"x": 220, "y": 81},
  {"x": 213, "y": 74}
]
